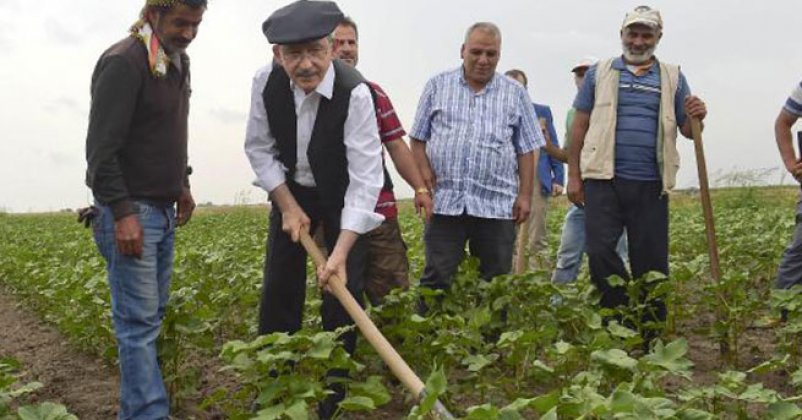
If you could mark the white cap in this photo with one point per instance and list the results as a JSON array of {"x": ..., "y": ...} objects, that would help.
[
  {"x": 643, "y": 15},
  {"x": 585, "y": 62}
]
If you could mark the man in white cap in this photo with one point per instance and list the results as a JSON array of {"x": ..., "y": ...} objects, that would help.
[
  {"x": 313, "y": 143},
  {"x": 572, "y": 241},
  {"x": 623, "y": 158}
]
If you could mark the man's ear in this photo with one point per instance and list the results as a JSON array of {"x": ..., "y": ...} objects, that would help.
[
  {"x": 462, "y": 52},
  {"x": 152, "y": 16},
  {"x": 277, "y": 53}
]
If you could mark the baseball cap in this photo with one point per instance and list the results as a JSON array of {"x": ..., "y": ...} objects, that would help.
[
  {"x": 586, "y": 61},
  {"x": 644, "y": 15}
]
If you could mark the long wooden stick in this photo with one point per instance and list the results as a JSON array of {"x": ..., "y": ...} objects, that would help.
[
  {"x": 707, "y": 206},
  {"x": 397, "y": 365},
  {"x": 710, "y": 227},
  {"x": 520, "y": 248}
]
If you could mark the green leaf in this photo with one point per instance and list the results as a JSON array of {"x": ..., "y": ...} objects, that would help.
[
  {"x": 435, "y": 386},
  {"x": 562, "y": 347},
  {"x": 45, "y": 411},
  {"x": 614, "y": 357},
  {"x": 271, "y": 413},
  {"x": 321, "y": 350},
  {"x": 796, "y": 378},
  {"x": 618, "y": 330},
  {"x": 538, "y": 364},
  {"x": 373, "y": 389},
  {"x": 357, "y": 403},
  {"x": 622, "y": 401},
  {"x": 25, "y": 389},
  {"x": 694, "y": 414},
  {"x": 551, "y": 415},
  {"x": 298, "y": 411},
  {"x": 483, "y": 412},
  {"x": 417, "y": 319},
  {"x": 477, "y": 362},
  {"x": 509, "y": 338},
  {"x": 783, "y": 411},
  {"x": 670, "y": 357},
  {"x": 546, "y": 402}
]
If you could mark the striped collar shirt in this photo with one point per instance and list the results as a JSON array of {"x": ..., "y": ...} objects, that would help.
[{"x": 473, "y": 140}]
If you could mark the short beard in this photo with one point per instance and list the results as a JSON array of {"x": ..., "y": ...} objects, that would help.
[{"x": 633, "y": 58}]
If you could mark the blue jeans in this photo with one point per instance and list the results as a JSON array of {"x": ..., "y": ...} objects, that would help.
[
  {"x": 572, "y": 246},
  {"x": 789, "y": 273},
  {"x": 139, "y": 292}
]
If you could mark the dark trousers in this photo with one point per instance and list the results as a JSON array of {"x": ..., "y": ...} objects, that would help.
[
  {"x": 284, "y": 283},
  {"x": 641, "y": 208},
  {"x": 490, "y": 240}
]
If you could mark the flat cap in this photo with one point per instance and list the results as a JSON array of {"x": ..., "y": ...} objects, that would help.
[{"x": 302, "y": 21}]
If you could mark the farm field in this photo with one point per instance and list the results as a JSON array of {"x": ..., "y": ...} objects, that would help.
[{"x": 544, "y": 359}]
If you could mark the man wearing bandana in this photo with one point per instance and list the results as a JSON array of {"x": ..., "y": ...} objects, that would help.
[
  {"x": 136, "y": 151},
  {"x": 623, "y": 157}
]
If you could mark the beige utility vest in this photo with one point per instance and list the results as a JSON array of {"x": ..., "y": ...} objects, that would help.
[{"x": 598, "y": 153}]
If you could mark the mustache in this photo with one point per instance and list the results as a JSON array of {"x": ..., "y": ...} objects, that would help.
[{"x": 305, "y": 73}]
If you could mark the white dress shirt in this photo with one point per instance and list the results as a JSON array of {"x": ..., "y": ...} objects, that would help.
[{"x": 362, "y": 148}]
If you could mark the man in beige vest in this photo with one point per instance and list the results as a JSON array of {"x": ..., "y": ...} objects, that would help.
[{"x": 623, "y": 158}]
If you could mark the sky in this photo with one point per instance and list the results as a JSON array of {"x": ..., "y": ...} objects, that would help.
[{"x": 742, "y": 58}]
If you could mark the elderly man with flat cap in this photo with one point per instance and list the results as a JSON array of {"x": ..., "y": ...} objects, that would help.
[
  {"x": 313, "y": 143},
  {"x": 623, "y": 158},
  {"x": 136, "y": 151}
]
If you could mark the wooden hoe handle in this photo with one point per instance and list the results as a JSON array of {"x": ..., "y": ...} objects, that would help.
[{"x": 397, "y": 365}]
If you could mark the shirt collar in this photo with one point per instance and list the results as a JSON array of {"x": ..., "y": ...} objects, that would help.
[
  {"x": 620, "y": 65},
  {"x": 326, "y": 86}
]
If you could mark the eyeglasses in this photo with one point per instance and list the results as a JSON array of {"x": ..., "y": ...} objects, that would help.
[{"x": 298, "y": 54}]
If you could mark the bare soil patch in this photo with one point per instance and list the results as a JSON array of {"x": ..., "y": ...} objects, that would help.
[{"x": 83, "y": 383}]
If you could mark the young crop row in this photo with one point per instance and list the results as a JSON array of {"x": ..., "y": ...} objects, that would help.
[
  {"x": 12, "y": 392},
  {"x": 503, "y": 349}
]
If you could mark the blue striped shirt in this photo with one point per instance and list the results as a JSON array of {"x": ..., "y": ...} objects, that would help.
[
  {"x": 794, "y": 102},
  {"x": 473, "y": 140}
]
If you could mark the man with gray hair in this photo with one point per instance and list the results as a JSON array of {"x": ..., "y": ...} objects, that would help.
[
  {"x": 475, "y": 137},
  {"x": 313, "y": 144},
  {"x": 623, "y": 158}
]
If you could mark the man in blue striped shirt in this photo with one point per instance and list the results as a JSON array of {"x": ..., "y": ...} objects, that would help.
[
  {"x": 790, "y": 271},
  {"x": 475, "y": 138}
]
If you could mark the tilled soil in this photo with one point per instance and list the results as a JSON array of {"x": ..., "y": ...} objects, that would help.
[{"x": 85, "y": 384}]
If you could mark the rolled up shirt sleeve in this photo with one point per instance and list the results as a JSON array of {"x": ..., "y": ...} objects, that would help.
[
  {"x": 260, "y": 145},
  {"x": 364, "y": 153}
]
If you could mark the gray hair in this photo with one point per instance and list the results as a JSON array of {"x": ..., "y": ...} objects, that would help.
[{"x": 488, "y": 27}]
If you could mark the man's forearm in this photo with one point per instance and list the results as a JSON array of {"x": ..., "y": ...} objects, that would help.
[
  {"x": 284, "y": 199},
  {"x": 405, "y": 163},
  {"x": 418, "y": 150},
  {"x": 784, "y": 138},
  {"x": 556, "y": 152},
  {"x": 526, "y": 172},
  {"x": 345, "y": 241}
]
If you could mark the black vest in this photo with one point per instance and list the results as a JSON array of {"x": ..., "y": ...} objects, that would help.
[{"x": 326, "y": 152}]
